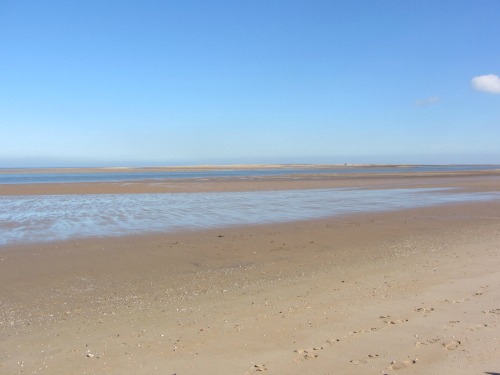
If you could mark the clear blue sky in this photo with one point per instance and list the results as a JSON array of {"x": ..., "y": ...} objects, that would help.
[{"x": 184, "y": 82}]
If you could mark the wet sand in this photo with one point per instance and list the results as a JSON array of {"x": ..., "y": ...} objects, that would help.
[
  {"x": 407, "y": 292},
  {"x": 467, "y": 180}
]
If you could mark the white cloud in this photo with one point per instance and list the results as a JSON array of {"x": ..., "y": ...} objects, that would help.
[
  {"x": 487, "y": 83},
  {"x": 428, "y": 101}
]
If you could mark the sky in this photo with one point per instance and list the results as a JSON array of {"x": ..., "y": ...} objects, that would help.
[{"x": 138, "y": 83}]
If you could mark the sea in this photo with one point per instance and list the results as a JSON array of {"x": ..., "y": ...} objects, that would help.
[
  {"x": 32, "y": 176},
  {"x": 47, "y": 218}
]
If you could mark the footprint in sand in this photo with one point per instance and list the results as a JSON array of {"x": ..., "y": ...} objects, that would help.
[
  {"x": 429, "y": 341},
  {"x": 332, "y": 341},
  {"x": 424, "y": 310},
  {"x": 363, "y": 361},
  {"x": 398, "y": 365},
  {"x": 451, "y": 324},
  {"x": 476, "y": 327},
  {"x": 358, "y": 361},
  {"x": 306, "y": 354},
  {"x": 452, "y": 345},
  {"x": 453, "y": 301},
  {"x": 256, "y": 369},
  {"x": 397, "y": 321},
  {"x": 387, "y": 319},
  {"x": 481, "y": 291},
  {"x": 492, "y": 311}
]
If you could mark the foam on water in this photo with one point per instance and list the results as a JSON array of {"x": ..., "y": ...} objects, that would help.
[{"x": 25, "y": 219}]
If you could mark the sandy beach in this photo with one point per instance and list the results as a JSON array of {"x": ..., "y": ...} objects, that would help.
[{"x": 405, "y": 292}]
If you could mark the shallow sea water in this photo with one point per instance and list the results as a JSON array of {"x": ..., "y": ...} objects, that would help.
[
  {"x": 29, "y": 176},
  {"x": 28, "y": 219}
]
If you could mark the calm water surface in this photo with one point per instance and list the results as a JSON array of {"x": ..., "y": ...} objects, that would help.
[
  {"x": 27, "y": 177},
  {"x": 25, "y": 219}
]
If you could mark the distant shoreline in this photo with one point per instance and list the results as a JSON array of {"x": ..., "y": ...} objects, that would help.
[{"x": 222, "y": 167}]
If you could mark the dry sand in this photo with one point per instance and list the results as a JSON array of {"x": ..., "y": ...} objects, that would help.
[{"x": 407, "y": 292}]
